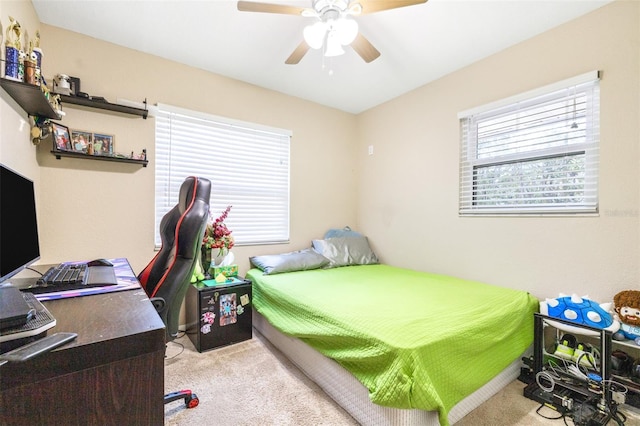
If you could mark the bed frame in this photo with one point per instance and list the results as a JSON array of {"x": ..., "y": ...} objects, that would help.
[{"x": 353, "y": 397}]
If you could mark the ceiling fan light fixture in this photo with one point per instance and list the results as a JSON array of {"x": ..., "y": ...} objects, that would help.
[
  {"x": 346, "y": 30},
  {"x": 334, "y": 24},
  {"x": 314, "y": 34},
  {"x": 334, "y": 47}
]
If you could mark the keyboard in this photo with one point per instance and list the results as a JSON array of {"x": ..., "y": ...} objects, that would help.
[
  {"x": 65, "y": 274},
  {"x": 73, "y": 276}
]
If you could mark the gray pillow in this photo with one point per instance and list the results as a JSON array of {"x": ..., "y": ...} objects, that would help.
[
  {"x": 344, "y": 251},
  {"x": 300, "y": 260}
]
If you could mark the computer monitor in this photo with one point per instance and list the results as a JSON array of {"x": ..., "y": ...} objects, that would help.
[{"x": 19, "y": 244}]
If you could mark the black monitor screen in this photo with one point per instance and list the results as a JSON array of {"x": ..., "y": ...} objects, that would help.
[{"x": 19, "y": 245}]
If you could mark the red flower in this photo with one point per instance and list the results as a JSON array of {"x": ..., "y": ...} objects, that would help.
[{"x": 217, "y": 235}]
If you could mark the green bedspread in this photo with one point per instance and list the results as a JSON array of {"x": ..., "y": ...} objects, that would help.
[{"x": 414, "y": 339}]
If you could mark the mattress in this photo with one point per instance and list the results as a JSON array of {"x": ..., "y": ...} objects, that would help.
[
  {"x": 414, "y": 340},
  {"x": 353, "y": 397}
]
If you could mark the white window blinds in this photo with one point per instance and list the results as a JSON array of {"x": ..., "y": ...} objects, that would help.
[
  {"x": 248, "y": 166},
  {"x": 536, "y": 153}
]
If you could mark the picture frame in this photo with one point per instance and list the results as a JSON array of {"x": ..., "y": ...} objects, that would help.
[
  {"x": 103, "y": 144},
  {"x": 61, "y": 137},
  {"x": 80, "y": 140}
]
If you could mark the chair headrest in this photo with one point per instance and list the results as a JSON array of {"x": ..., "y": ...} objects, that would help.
[{"x": 192, "y": 183}]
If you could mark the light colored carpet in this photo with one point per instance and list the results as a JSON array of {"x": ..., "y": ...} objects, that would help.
[
  {"x": 252, "y": 383},
  {"x": 249, "y": 383}
]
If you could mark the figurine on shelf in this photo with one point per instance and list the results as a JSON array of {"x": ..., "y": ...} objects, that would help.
[
  {"x": 141, "y": 156},
  {"x": 22, "y": 57},
  {"x": 36, "y": 41},
  {"x": 30, "y": 69},
  {"x": 51, "y": 97},
  {"x": 41, "y": 129},
  {"x": 35, "y": 54},
  {"x": 61, "y": 84},
  {"x": 12, "y": 50},
  {"x": 15, "y": 29}
]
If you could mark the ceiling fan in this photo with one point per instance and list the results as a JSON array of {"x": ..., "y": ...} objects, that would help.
[{"x": 334, "y": 26}]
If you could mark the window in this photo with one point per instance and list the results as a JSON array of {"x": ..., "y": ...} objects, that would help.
[
  {"x": 248, "y": 166},
  {"x": 536, "y": 153}
]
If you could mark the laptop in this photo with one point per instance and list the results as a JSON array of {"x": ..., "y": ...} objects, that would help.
[{"x": 14, "y": 311}]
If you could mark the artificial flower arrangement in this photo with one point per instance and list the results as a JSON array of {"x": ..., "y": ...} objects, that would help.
[{"x": 218, "y": 236}]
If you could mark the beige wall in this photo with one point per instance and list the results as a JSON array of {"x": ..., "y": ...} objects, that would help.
[
  {"x": 16, "y": 149},
  {"x": 94, "y": 209},
  {"x": 404, "y": 197},
  {"x": 408, "y": 189}
]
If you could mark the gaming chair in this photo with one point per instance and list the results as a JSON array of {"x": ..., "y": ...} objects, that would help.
[{"x": 167, "y": 277}]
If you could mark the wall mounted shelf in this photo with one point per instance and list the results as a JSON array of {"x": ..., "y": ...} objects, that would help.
[
  {"x": 82, "y": 156},
  {"x": 30, "y": 98},
  {"x": 104, "y": 105}
]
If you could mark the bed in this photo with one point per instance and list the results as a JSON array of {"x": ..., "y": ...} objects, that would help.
[{"x": 393, "y": 345}]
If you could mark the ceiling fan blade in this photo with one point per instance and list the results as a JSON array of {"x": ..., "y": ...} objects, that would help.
[
  {"x": 372, "y": 6},
  {"x": 250, "y": 6},
  {"x": 365, "y": 49},
  {"x": 298, "y": 53}
]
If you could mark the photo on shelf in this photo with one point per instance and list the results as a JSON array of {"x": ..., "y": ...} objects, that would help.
[
  {"x": 61, "y": 139},
  {"x": 80, "y": 140},
  {"x": 103, "y": 144}
]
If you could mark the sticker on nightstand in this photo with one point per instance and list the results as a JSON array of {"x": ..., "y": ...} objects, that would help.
[
  {"x": 228, "y": 314},
  {"x": 240, "y": 309},
  {"x": 208, "y": 317},
  {"x": 244, "y": 299}
]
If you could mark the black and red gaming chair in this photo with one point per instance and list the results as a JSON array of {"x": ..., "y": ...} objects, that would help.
[{"x": 167, "y": 277}]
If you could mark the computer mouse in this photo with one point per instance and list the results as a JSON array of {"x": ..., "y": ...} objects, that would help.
[{"x": 99, "y": 262}]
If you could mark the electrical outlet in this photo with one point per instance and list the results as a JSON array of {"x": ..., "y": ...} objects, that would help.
[{"x": 370, "y": 149}]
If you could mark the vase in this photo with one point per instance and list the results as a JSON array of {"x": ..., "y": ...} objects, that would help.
[
  {"x": 206, "y": 255},
  {"x": 218, "y": 258},
  {"x": 205, "y": 260}
]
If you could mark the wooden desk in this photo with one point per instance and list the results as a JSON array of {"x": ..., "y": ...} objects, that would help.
[{"x": 112, "y": 374}]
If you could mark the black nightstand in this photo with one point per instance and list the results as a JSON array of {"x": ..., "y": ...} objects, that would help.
[{"x": 218, "y": 315}]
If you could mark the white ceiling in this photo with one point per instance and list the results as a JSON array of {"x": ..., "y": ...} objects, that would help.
[{"x": 418, "y": 44}]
